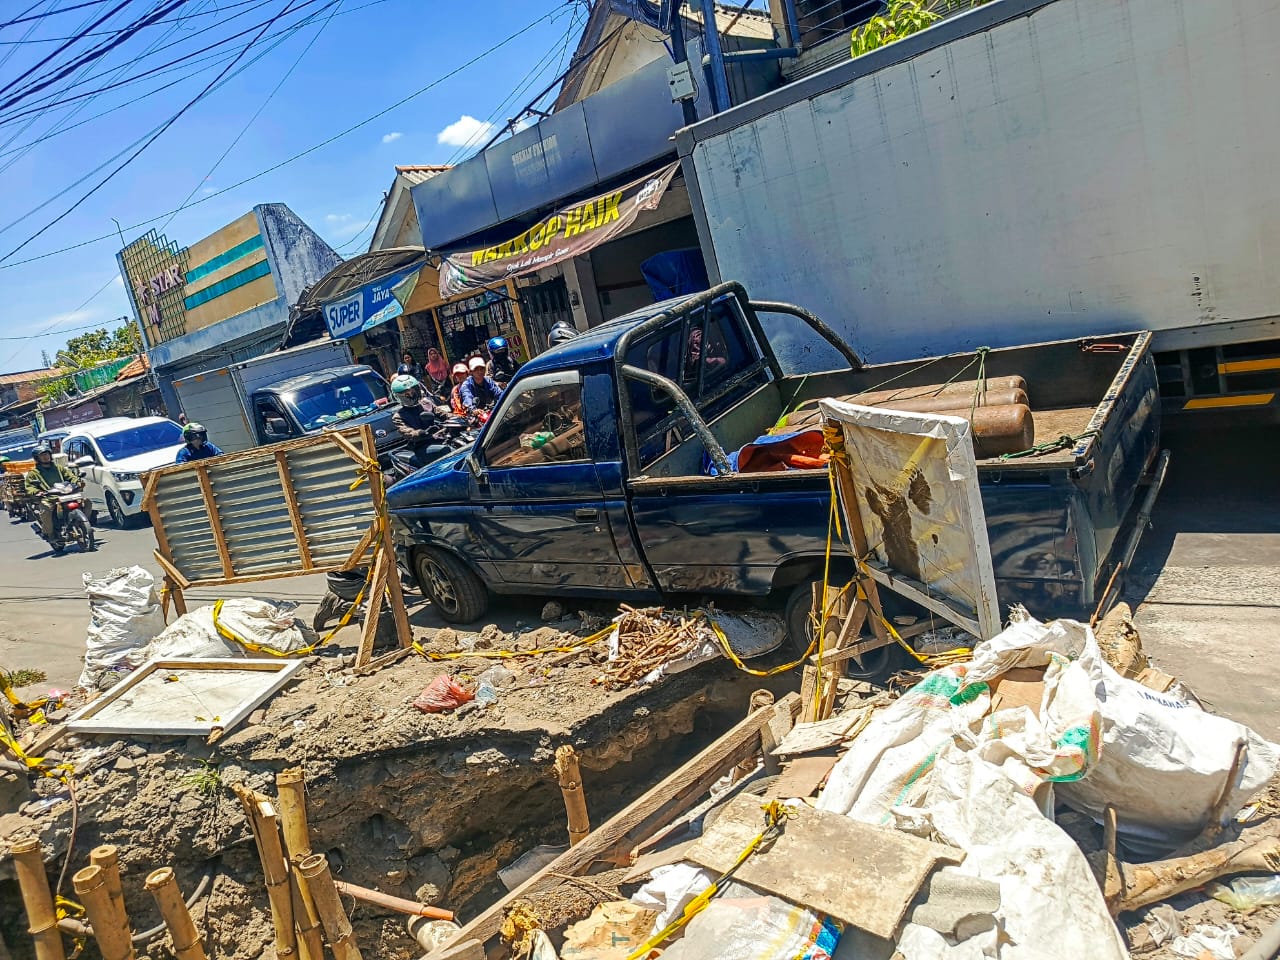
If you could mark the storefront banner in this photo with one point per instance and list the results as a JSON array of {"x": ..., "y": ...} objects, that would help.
[
  {"x": 366, "y": 307},
  {"x": 567, "y": 233}
]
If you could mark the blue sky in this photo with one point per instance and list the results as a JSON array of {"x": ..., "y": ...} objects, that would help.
[{"x": 369, "y": 55}]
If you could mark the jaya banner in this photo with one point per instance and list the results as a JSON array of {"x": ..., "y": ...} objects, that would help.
[
  {"x": 366, "y": 307},
  {"x": 565, "y": 234}
]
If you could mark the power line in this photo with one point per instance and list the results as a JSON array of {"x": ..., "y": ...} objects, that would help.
[
  {"x": 24, "y": 18},
  {"x": 65, "y": 46},
  {"x": 291, "y": 159},
  {"x": 106, "y": 33},
  {"x": 152, "y": 139}
]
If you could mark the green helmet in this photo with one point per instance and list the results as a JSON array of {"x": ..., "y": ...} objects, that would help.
[{"x": 403, "y": 383}]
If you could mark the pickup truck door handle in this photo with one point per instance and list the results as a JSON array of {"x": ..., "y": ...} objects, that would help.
[{"x": 586, "y": 515}]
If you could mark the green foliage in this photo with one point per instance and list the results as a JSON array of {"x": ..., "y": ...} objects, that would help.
[
  {"x": 206, "y": 780},
  {"x": 901, "y": 19},
  {"x": 22, "y": 678},
  {"x": 87, "y": 350}
]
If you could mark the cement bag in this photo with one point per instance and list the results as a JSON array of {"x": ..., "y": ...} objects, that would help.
[
  {"x": 1164, "y": 760},
  {"x": 270, "y": 627},
  {"x": 124, "y": 616},
  {"x": 740, "y": 924}
]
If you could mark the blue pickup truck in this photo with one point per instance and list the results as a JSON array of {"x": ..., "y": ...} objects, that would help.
[{"x": 606, "y": 469}]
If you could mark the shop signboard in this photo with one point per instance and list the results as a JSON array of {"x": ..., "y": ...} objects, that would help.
[
  {"x": 567, "y": 233},
  {"x": 366, "y": 307}
]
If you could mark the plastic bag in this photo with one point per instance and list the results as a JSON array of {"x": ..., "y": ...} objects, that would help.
[
  {"x": 671, "y": 889},
  {"x": 1247, "y": 893},
  {"x": 740, "y": 924},
  {"x": 442, "y": 695},
  {"x": 1206, "y": 939},
  {"x": 124, "y": 615},
  {"x": 489, "y": 682},
  {"x": 262, "y": 623}
]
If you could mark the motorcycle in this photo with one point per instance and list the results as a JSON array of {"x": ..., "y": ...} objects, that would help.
[
  {"x": 70, "y": 520},
  {"x": 450, "y": 433}
]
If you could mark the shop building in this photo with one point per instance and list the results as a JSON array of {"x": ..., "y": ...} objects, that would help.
[
  {"x": 225, "y": 297},
  {"x": 611, "y": 129}
]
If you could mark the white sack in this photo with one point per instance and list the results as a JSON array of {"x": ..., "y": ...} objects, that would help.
[
  {"x": 258, "y": 621},
  {"x": 124, "y": 616},
  {"x": 741, "y": 924}
]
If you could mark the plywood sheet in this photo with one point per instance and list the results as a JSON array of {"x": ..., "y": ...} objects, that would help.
[
  {"x": 184, "y": 697},
  {"x": 855, "y": 872}
]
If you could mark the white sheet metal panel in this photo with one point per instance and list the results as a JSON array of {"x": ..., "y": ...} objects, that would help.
[
  {"x": 274, "y": 368},
  {"x": 1093, "y": 165},
  {"x": 212, "y": 400}
]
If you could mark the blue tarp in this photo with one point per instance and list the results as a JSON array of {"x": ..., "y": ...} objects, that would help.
[{"x": 675, "y": 273}]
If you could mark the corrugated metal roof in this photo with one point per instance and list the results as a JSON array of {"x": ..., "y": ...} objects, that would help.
[{"x": 30, "y": 376}]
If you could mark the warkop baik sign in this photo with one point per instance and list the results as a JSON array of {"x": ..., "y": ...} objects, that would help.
[{"x": 565, "y": 234}]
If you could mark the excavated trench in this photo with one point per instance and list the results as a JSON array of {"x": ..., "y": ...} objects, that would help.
[{"x": 422, "y": 807}]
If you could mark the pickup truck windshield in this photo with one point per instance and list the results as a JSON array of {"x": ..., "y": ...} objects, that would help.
[
  {"x": 144, "y": 439},
  {"x": 336, "y": 400}
]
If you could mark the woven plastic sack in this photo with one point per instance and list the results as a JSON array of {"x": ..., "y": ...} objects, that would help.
[
  {"x": 260, "y": 623},
  {"x": 442, "y": 695},
  {"x": 124, "y": 615},
  {"x": 740, "y": 924}
]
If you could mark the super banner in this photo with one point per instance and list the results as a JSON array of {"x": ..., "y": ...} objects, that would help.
[{"x": 565, "y": 234}]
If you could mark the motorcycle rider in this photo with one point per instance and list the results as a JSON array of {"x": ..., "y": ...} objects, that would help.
[
  {"x": 197, "y": 446},
  {"x": 415, "y": 423},
  {"x": 561, "y": 332},
  {"x": 479, "y": 390},
  {"x": 502, "y": 365},
  {"x": 460, "y": 377},
  {"x": 42, "y": 478}
]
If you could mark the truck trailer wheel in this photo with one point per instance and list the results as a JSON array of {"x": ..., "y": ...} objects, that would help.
[
  {"x": 456, "y": 592},
  {"x": 870, "y": 666}
]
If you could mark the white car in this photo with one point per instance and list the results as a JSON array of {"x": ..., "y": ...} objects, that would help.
[{"x": 112, "y": 455}]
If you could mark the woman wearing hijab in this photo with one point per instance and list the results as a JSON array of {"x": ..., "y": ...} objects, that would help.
[{"x": 437, "y": 367}]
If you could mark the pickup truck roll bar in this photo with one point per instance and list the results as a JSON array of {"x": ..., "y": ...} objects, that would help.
[
  {"x": 813, "y": 320},
  {"x": 685, "y": 405}
]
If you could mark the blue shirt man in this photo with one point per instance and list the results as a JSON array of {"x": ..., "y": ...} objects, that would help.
[
  {"x": 479, "y": 389},
  {"x": 197, "y": 446}
]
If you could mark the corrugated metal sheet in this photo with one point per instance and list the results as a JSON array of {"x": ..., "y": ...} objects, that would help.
[{"x": 253, "y": 512}]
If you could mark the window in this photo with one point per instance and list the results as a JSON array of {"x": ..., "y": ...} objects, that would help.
[
  {"x": 78, "y": 447},
  {"x": 539, "y": 424},
  {"x": 146, "y": 438},
  {"x": 701, "y": 355},
  {"x": 333, "y": 401}
]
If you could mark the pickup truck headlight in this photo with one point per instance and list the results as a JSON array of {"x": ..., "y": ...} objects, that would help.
[{"x": 124, "y": 475}]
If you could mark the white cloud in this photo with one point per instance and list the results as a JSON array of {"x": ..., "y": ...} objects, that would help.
[
  {"x": 392, "y": 137},
  {"x": 464, "y": 131},
  {"x": 524, "y": 123},
  {"x": 209, "y": 190},
  {"x": 72, "y": 318},
  {"x": 343, "y": 225}
]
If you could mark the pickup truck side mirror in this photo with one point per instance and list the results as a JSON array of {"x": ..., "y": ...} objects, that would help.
[
  {"x": 276, "y": 427},
  {"x": 477, "y": 468}
]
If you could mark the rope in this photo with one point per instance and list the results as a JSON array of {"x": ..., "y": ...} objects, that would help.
[
  {"x": 513, "y": 654},
  {"x": 40, "y": 765},
  {"x": 1064, "y": 442},
  {"x": 775, "y": 815},
  {"x": 737, "y": 661}
]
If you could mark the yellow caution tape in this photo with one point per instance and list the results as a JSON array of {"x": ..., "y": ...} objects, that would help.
[
  {"x": 737, "y": 661},
  {"x": 775, "y": 814},
  {"x": 38, "y": 765}
]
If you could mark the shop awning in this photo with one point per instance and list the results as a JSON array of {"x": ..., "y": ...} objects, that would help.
[
  {"x": 365, "y": 307},
  {"x": 567, "y": 233}
]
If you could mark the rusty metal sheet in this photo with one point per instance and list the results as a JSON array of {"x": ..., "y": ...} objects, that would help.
[{"x": 862, "y": 874}]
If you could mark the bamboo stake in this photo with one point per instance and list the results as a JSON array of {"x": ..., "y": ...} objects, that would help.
[
  {"x": 108, "y": 858},
  {"x": 162, "y": 885},
  {"x": 310, "y": 943},
  {"x": 337, "y": 928},
  {"x": 34, "y": 884},
  {"x": 263, "y": 821},
  {"x": 110, "y": 928},
  {"x": 291, "y": 793},
  {"x": 575, "y": 804}
]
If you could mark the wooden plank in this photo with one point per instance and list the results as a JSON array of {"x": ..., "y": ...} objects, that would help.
[
  {"x": 881, "y": 869},
  {"x": 664, "y": 801},
  {"x": 170, "y": 571},
  {"x": 362, "y": 547},
  {"x": 802, "y": 777},
  {"x": 404, "y": 633},
  {"x": 257, "y": 453},
  {"x": 348, "y": 447},
  {"x": 215, "y": 520},
  {"x": 149, "y": 490},
  {"x": 372, "y": 610},
  {"x": 179, "y": 600},
  {"x": 853, "y": 520},
  {"x": 295, "y": 514}
]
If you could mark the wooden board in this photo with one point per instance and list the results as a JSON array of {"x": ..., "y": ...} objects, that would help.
[
  {"x": 802, "y": 777},
  {"x": 661, "y": 804},
  {"x": 855, "y": 872}
]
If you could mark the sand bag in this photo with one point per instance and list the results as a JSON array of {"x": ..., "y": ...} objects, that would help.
[
  {"x": 124, "y": 616},
  {"x": 259, "y": 623}
]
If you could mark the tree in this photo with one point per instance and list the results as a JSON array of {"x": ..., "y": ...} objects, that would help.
[{"x": 86, "y": 351}]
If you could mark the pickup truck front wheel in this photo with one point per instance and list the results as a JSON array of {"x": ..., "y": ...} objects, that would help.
[
  {"x": 870, "y": 666},
  {"x": 456, "y": 592}
]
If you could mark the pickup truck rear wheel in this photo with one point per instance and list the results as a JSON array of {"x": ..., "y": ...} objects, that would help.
[
  {"x": 872, "y": 665},
  {"x": 457, "y": 593}
]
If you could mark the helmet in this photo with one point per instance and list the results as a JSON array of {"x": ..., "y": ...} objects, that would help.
[
  {"x": 405, "y": 368},
  {"x": 561, "y": 332},
  {"x": 402, "y": 383},
  {"x": 194, "y": 429},
  {"x": 477, "y": 363},
  {"x": 43, "y": 448},
  {"x": 497, "y": 343},
  {"x": 459, "y": 368}
]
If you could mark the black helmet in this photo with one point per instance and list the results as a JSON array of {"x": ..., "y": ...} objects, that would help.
[{"x": 561, "y": 332}]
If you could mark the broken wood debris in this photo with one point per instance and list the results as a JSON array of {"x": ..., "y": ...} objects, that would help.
[{"x": 651, "y": 637}]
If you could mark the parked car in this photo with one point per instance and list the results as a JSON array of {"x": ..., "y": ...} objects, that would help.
[
  {"x": 589, "y": 479},
  {"x": 114, "y": 453}
]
